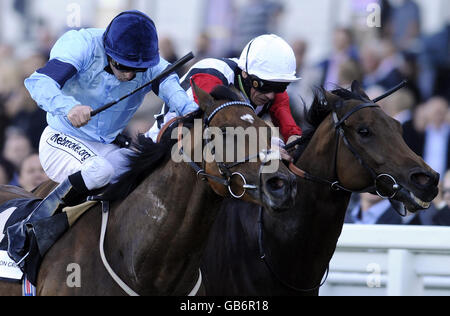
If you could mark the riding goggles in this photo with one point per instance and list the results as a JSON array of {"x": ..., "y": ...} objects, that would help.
[
  {"x": 123, "y": 68},
  {"x": 265, "y": 86}
]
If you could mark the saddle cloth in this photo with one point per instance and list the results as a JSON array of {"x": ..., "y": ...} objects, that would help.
[
  {"x": 15, "y": 211},
  {"x": 12, "y": 212}
]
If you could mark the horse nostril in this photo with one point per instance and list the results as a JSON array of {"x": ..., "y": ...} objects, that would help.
[
  {"x": 424, "y": 179},
  {"x": 276, "y": 184},
  {"x": 420, "y": 178}
]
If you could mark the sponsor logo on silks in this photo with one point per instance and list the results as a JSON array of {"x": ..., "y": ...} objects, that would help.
[
  {"x": 71, "y": 146},
  {"x": 8, "y": 268}
]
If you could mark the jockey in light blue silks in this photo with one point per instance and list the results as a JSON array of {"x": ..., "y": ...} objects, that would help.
[{"x": 87, "y": 69}]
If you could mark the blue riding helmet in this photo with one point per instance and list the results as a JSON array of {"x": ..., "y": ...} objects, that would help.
[{"x": 132, "y": 41}]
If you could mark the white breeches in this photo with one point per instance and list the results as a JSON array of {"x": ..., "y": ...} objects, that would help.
[
  {"x": 154, "y": 130},
  {"x": 63, "y": 155}
]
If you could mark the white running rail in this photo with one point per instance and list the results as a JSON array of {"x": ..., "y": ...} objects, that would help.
[{"x": 384, "y": 260}]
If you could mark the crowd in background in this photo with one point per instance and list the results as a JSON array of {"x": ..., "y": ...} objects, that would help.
[{"x": 379, "y": 58}]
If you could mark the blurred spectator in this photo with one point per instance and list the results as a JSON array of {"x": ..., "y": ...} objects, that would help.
[
  {"x": 167, "y": 49},
  {"x": 400, "y": 105},
  {"x": 17, "y": 109},
  {"x": 45, "y": 38},
  {"x": 348, "y": 72},
  {"x": 372, "y": 209},
  {"x": 219, "y": 24},
  {"x": 25, "y": 115},
  {"x": 380, "y": 63},
  {"x": 297, "y": 90},
  {"x": 403, "y": 24},
  {"x": 255, "y": 18},
  {"x": 168, "y": 52},
  {"x": 31, "y": 174},
  {"x": 442, "y": 218},
  {"x": 414, "y": 130},
  {"x": 343, "y": 51},
  {"x": 437, "y": 135},
  {"x": 17, "y": 148},
  {"x": 202, "y": 49},
  {"x": 203, "y": 46},
  {"x": 434, "y": 63},
  {"x": 140, "y": 124},
  {"x": 6, "y": 172},
  {"x": 427, "y": 134}
]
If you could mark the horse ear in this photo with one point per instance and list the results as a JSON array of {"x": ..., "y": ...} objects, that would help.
[
  {"x": 327, "y": 97},
  {"x": 356, "y": 88},
  {"x": 205, "y": 100}
]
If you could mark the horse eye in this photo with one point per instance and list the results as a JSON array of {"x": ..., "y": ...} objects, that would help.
[{"x": 364, "y": 132}]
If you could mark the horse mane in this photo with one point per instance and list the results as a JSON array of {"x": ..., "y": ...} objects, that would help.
[
  {"x": 148, "y": 155},
  {"x": 321, "y": 108},
  {"x": 223, "y": 92},
  {"x": 144, "y": 160}
]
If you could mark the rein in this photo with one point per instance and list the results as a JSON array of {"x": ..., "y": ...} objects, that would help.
[{"x": 263, "y": 256}]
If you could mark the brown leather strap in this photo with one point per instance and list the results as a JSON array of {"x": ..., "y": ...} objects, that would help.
[
  {"x": 297, "y": 171},
  {"x": 164, "y": 128}
]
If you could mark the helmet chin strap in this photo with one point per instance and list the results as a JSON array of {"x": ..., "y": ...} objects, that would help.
[{"x": 245, "y": 88}]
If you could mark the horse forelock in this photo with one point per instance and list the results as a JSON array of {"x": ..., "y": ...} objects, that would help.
[{"x": 223, "y": 92}]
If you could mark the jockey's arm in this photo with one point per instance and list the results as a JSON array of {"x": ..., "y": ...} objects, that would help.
[
  {"x": 171, "y": 92},
  {"x": 70, "y": 54},
  {"x": 281, "y": 115},
  {"x": 47, "y": 93}
]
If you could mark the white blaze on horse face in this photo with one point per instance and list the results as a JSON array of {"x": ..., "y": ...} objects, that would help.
[{"x": 248, "y": 118}]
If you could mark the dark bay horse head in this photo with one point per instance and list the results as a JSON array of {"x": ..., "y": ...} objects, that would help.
[
  {"x": 352, "y": 146},
  {"x": 257, "y": 176},
  {"x": 369, "y": 151}
]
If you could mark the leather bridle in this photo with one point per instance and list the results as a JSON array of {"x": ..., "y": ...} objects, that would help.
[
  {"x": 227, "y": 176},
  {"x": 335, "y": 185}
]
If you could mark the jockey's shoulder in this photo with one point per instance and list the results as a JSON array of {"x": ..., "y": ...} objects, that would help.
[{"x": 215, "y": 63}]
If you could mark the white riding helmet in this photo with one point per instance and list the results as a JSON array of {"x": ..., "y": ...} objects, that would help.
[{"x": 269, "y": 58}]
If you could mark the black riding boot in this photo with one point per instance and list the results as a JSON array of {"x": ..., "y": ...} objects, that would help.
[{"x": 44, "y": 226}]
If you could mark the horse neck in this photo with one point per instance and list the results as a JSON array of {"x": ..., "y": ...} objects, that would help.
[
  {"x": 158, "y": 233},
  {"x": 315, "y": 223}
]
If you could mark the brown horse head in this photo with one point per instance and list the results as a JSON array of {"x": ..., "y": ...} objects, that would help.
[
  {"x": 255, "y": 169},
  {"x": 370, "y": 152}
]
